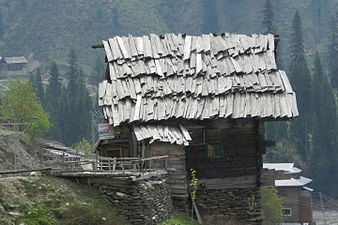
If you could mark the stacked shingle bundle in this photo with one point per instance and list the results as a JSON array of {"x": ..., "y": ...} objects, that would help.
[{"x": 156, "y": 78}]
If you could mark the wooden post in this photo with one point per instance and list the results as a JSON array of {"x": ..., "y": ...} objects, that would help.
[
  {"x": 166, "y": 163},
  {"x": 63, "y": 160}
]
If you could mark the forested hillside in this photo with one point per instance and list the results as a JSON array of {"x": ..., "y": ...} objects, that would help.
[{"x": 47, "y": 30}]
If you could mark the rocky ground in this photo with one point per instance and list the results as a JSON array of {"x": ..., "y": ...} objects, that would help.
[
  {"x": 328, "y": 217},
  {"x": 54, "y": 201}
]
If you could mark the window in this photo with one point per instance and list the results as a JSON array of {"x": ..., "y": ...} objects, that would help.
[
  {"x": 215, "y": 151},
  {"x": 283, "y": 193},
  {"x": 287, "y": 212}
]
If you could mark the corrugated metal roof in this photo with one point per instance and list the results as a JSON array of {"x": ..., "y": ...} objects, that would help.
[
  {"x": 154, "y": 78},
  {"x": 286, "y": 167},
  {"x": 15, "y": 60},
  {"x": 302, "y": 181}
]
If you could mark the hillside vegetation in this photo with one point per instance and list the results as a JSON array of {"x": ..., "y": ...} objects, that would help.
[
  {"x": 48, "y": 29},
  {"x": 44, "y": 200}
]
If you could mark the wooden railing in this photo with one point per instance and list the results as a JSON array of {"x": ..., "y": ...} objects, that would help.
[{"x": 132, "y": 164}]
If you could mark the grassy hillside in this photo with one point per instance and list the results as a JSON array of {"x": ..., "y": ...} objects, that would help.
[{"x": 44, "y": 200}]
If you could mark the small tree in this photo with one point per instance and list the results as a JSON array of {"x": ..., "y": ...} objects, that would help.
[
  {"x": 272, "y": 206},
  {"x": 21, "y": 105},
  {"x": 84, "y": 147}
]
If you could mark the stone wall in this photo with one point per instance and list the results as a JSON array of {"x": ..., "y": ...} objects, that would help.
[
  {"x": 237, "y": 206},
  {"x": 145, "y": 201}
]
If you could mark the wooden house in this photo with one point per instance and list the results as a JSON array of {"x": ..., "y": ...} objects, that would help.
[
  {"x": 13, "y": 66},
  {"x": 292, "y": 188},
  {"x": 203, "y": 101}
]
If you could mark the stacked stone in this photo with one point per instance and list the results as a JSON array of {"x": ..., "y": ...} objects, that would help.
[
  {"x": 143, "y": 202},
  {"x": 238, "y": 205}
]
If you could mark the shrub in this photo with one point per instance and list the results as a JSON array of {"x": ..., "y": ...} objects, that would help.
[{"x": 272, "y": 206}]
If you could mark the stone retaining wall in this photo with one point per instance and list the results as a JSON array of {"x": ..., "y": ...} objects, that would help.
[
  {"x": 237, "y": 206},
  {"x": 143, "y": 202}
]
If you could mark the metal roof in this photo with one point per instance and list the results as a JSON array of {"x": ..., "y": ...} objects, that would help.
[
  {"x": 285, "y": 167},
  {"x": 15, "y": 60},
  {"x": 159, "y": 78},
  {"x": 302, "y": 181}
]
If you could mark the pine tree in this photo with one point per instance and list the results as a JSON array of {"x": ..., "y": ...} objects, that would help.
[
  {"x": 333, "y": 53},
  {"x": 53, "y": 93},
  {"x": 54, "y": 88},
  {"x": 76, "y": 105},
  {"x": 301, "y": 81},
  {"x": 210, "y": 16},
  {"x": 268, "y": 23},
  {"x": 323, "y": 155},
  {"x": 37, "y": 86}
]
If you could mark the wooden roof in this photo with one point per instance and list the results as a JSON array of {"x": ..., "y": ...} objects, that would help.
[{"x": 157, "y": 78}]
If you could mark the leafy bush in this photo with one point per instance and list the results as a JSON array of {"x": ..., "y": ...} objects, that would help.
[
  {"x": 272, "y": 206},
  {"x": 21, "y": 105}
]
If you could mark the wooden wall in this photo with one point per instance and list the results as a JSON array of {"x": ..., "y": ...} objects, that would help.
[
  {"x": 306, "y": 213},
  {"x": 291, "y": 199},
  {"x": 239, "y": 139},
  {"x": 177, "y": 172}
]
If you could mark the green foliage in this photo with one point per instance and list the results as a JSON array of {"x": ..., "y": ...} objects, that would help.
[
  {"x": 37, "y": 85},
  {"x": 271, "y": 205},
  {"x": 323, "y": 155},
  {"x": 193, "y": 184},
  {"x": 179, "y": 219},
  {"x": 53, "y": 105},
  {"x": 38, "y": 214},
  {"x": 84, "y": 147},
  {"x": 20, "y": 105},
  {"x": 301, "y": 80},
  {"x": 285, "y": 151},
  {"x": 76, "y": 105},
  {"x": 333, "y": 52}
]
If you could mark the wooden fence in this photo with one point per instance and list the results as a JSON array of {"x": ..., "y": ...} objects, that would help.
[{"x": 133, "y": 164}]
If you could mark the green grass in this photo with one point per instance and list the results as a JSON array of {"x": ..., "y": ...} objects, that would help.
[
  {"x": 53, "y": 201},
  {"x": 179, "y": 219}
]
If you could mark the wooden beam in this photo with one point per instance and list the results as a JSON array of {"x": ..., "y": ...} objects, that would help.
[
  {"x": 97, "y": 46},
  {"x": 24, "y": 170}
]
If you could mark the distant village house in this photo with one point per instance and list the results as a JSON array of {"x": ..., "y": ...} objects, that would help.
[
  {"x": 13, "y": 66},
  {"x": 293, "y": 189}
]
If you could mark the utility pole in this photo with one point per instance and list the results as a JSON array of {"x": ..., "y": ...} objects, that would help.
[{"x": 322, "y": 207}]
